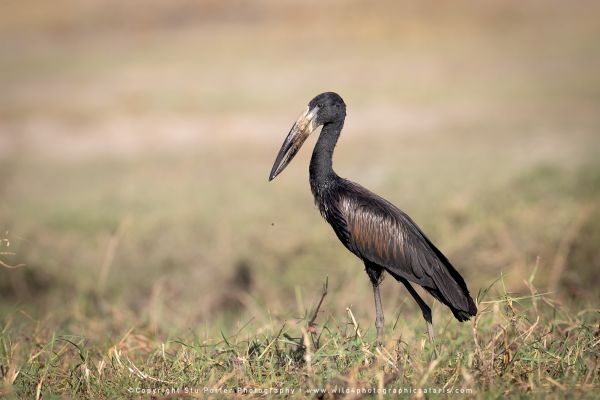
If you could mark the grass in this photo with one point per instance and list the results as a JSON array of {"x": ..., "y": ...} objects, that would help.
[
  {"x": 527, "y": 345},
  {"x": 150, "y": 252}
]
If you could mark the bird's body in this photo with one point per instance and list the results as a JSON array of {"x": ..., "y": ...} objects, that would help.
[
  {"x": 387, "y": 239},
  {"x": 380, "y": 234}
]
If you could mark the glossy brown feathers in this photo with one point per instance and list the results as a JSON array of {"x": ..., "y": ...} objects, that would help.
[{"x": 380, "y": 233}]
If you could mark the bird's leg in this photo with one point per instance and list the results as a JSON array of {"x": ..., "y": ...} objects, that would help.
[
  {"x": 426, "y": 313},
  {"x": 379, "y": 319},
  {"x": 376, "y": 274}
]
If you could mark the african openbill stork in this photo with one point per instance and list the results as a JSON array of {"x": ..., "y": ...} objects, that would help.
[{"x": 376, "y": 231}]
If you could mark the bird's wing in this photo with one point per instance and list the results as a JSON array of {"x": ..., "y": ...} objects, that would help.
[{"x": 381, "y": 233}]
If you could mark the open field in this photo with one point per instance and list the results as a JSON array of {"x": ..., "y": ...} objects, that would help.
[{"x": 150, "y": 251}]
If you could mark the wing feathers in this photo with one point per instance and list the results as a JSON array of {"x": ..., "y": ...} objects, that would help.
[{"x": 379, "y": 232}]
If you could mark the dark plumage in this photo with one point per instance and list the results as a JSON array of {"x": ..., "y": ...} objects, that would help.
[
  {"x": 382, "y": 235},
  {"x": 372, "y": 228}
]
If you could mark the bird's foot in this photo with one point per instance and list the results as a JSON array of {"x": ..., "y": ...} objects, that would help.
[
  {"x": 432, "y": 339},
  {"x": 379, "y": 341}
]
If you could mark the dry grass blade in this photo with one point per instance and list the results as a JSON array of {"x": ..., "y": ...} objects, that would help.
[
  {"x": 354, "y": 323},
  {"x": 566, "y": 242},
  {"x": 110, "y": 252},
  {"x": 311, "y": 323}
]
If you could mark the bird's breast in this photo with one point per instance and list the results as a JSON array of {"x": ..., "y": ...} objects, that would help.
[{"x": 331, "y": 209}]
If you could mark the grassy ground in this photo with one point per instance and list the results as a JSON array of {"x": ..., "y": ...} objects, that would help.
[
  {"x": 134, "y": 154},
  {"x": 515, "y": 346}
]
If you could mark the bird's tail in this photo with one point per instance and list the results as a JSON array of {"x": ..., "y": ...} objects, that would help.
[
  {"x": 452, "y": 291},
  {"x": 461, "y": 312},
  {"x": 451, "y": 288}
]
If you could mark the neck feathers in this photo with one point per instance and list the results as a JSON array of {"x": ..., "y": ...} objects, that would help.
[{"x": 321, "y": 165}]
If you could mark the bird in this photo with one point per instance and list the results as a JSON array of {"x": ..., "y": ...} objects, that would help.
[{"x": 384, "y": 237}]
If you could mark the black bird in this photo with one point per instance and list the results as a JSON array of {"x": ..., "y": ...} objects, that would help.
[{"x": 376, "y": 231}]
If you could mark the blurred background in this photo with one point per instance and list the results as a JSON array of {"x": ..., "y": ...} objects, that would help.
[{"x": 136, "y": 139}]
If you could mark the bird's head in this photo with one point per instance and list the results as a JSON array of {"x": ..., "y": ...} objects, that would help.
[{"x": 325, "y": 108}]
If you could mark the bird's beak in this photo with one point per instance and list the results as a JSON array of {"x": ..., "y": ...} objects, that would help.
[{"x": 304, "y": 126}]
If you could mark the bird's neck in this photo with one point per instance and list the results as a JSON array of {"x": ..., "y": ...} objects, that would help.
[{"x": 321, "y": 168}]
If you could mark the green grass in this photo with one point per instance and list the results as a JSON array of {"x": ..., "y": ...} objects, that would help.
[{"x": 526, "y": 345}]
